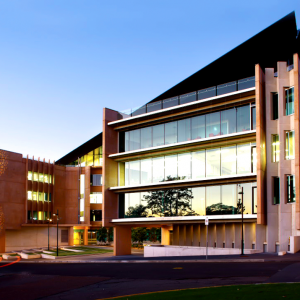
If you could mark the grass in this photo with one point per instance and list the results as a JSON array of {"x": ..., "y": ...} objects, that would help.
[
  {"x": 86, "y": 250},
  {"x": 236, "y": 292}
]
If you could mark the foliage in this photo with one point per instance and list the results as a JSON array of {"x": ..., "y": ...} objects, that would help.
[
  {"x": 110, "y": 234},
  {"x": 139, "y": 234},
  {"x": 219, "y": 208},
  {"x": 171, "y": 202},
  {"x": 101, "y": 234},
  {"x": 137, "y": 211},
  {"x": 152, "y": 235},
  {"x": 239, "y": 207}
]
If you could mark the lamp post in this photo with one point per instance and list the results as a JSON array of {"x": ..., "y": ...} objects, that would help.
[
  {"x": 241, "y": 192},
  {"x": 57, "y": 219},
  {"x": 49, "y": 220}
]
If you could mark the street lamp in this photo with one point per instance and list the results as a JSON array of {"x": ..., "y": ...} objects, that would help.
[
  {"x": 48, "y": 221},
  {"x": 57, "y": 219},
  {"x": 241, "y": 192}
]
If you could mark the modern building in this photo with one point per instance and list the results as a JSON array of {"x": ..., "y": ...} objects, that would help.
[{"x": 226, "y": 134}]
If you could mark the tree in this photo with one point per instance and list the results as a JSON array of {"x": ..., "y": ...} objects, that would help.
[
  {"x": 220, "y": 209},
  {"x": 110, "y": 234},
  {"x": 139, "y": 234},
  {"x": 3, "y": 162},
  {"x": 239, "y": 207},
  {"x": 171, "y": 202},
  {"x": 137, "y": 211},
  {"x": 152, "y": 235},
  {"x": 102, "y": 234}
]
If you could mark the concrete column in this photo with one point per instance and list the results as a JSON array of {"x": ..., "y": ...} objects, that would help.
[
  {"x": 211, "y": 235},
  {"x": 249, "y": 235},
  {"x": 260, "y": 237},
  {"x": 182, "y": 235},
  {"x": 176, "y": 234},
  {"x": 85, "y": 236},
  {"x": 189, "y": 235},
  {"x": 220, "y": 233},
  {"x": 229, "y": 235},
  {"x": 165, "y": 235},
  {"x": 71, "y": 236},
  {"x": 196, "y": 235},
  {"x": 238, "y": 235},
  {"x": 203, "y": 235},
  {"x": 122, "y": 240}
]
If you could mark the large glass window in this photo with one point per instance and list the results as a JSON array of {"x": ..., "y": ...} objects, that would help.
[
  {"x": 146, "y": 171},
  {"x": 243, "y": 162},
  {"x": 243, "y": 118},
  {"x": 146, "y": 137},
  {"x": 276, "y": 190},
  {"x": 228, "y": 160},
  {"x": 291, "y": 188},
  {"x": 95, "y": 215},
  {"x": 198, "y": 127},
  {"x": 229, "y": 197},
  {"x": 289, "y": 101},
  {"x": 275, "y": 148},
  {"x": 289, "y": 144},
  {"x": 96, "y": 197},
  {"x": 135, "y": 139},
  {"x": 213, "y": 200},
  {"x": 184, "y": 166},
  {"x": 198, "y": 164},
  {"x": 213, "y": 124},
  {"x": 171, "y": 166},
  {"x": 198, "y": 202},
  {"x": 213, "y": 162},
  {"x": 170, "y": 133},
  {"x": 134, "y": 174},
  {"x": 184, "y": 130},
  {"x": 158, "y": 169},
  {"x": 158, "y": 135},
  {"x": 228, "y": 121}
]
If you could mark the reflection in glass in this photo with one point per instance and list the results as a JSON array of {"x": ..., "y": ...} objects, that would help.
[
  {"x": 213, "y": 200},
  {"x": 198, "y": 127},
  {"x": 127, "y": 140},
  {"x": 228, "y": 121},
  {"x": 126, "y": 173},
  {"x": 135, "y": 139},
  {"x": 213, "y": 162},
  {"x": 243, "y": 158},
  {"x": 243, "y": 118},
  {"x": 187, "y": 98},
  {"x": 198, "y": 202},
  {"x": 170, "y": 102},
  {"x": 146, "y": 137},
  {"x": 198, "y": 164},
  {"x": 184, "y": 166},
  {"x": 213, "y": 124},
  {"x": 247, "y": 197},
  {"x": 228, "y": 160},
  {"x": 184, "y": 130},
  {"x": 170, "y": 133},
  {"x": 158, "y": 135},
  {"x": 229, "y": 203}
]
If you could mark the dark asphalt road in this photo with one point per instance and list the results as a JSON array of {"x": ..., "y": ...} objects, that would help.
[{"x": 97, "y": 281}]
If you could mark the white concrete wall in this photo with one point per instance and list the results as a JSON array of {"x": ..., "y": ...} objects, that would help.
[{"x": 157, "y": 251}]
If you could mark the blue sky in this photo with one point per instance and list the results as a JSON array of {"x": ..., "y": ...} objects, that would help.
[{"x": 61, "y": 62}]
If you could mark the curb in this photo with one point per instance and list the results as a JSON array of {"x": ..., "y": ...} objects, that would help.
[{"x": 144, "y": 261}]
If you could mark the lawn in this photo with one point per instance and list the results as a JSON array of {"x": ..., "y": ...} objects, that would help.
[
  {"x": 86, "y": 250},
  {"x": 236, "y": 292}
]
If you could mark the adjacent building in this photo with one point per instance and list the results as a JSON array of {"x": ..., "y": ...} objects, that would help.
[{"x": 227, "y": 132}]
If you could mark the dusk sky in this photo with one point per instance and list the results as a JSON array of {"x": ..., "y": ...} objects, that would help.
[{"x": 62, "y": 61}]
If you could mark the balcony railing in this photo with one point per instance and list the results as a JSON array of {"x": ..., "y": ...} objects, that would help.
[{"x": 218, "y": 90}]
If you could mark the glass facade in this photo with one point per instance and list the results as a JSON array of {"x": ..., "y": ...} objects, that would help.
[
  {"x": 290, "y": 144},
  {"x": 289, "y": 101},
  {"x": 199, "y": 201},
  {"x": 212, "y": 162},
  {"x": 96, "y": 180},
  {"x": 276, "y": 190},
  {"x": 228, "y": 121},
  {"x": 95, "y": 215},
  {"x": 35, "y": 176},
  {"x": 39, "y": 196},
  {"x": 94, "y": 158},
  {"x": 274, "y": 106}
]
